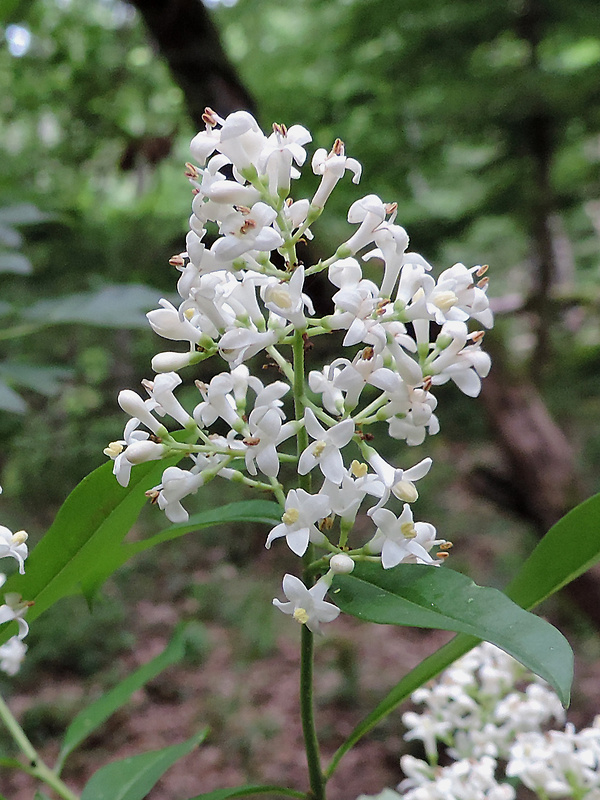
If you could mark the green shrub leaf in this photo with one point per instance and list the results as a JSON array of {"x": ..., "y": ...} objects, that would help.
[
  {"x": 245, "y": 791},
  {"x": 84, "y": 545},
  {"x": 132, "y": 778},
  {"x": 84, "y": 537},
  {"x": 94, "y": 715},
  {"x": 569, "y": 548},
  {"x": 429, "y": 597}
]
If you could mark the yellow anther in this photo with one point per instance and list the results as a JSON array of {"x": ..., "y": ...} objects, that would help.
[
  {"x": 301, "y": 616},
  {"x": 291, "y": 516},
  {"x": 113, "y": 449},
  {"x": 406, "y": 491},
  {"x": 408, "y": 530},
  {"x": 19, "y": 537},
  {"x": 358, "y": 469},
  {"x": 445, "y": 300},
  {"x": 318, "y": 448},
  {"x": 188, "y": 313},
  {"x": 279, "y": 295}
]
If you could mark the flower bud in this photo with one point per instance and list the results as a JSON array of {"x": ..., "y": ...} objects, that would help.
[
  {"x": 170, "y": 362},
  {"x": 139, "y": 452},
  {"x": 341, "y": 564}
]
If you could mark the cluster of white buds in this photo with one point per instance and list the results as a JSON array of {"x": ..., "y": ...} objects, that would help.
[
  {"x": 496, "y": 732},
  {"x": 243, "y": 295},
  {"x": 14, "y": 608}
]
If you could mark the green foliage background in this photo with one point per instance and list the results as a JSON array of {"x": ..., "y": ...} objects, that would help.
[{"x": 477, "y": 118}]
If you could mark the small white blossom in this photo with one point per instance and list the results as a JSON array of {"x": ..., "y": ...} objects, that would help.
[
  {"x": 12, "y": 654},
  {"x": 302, "y": 511},
  {"x": 12, "y": 545},
  {"x": 307, "y": 606},
  {"x": 400, "y": 540},
  {"x": 325, "y": 450}
]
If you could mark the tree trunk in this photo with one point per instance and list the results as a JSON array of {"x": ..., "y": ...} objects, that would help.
[{"x": 189, "y": 42}]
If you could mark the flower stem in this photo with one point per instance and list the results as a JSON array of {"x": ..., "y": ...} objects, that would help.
[
  {"x": 311, "y": 743},
  {"x": 36, "y": 766},
  {"x": 307, "y": 714}
]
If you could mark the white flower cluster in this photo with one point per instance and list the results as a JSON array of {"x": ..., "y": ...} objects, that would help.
[
  {"x": 495, "y": 732},
  {"x": 13, "y": 651},
  {"x": 243, "y": 294}
]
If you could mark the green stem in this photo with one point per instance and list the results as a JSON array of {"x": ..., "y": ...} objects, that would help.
[
  {"x": 36, "y": 767},
  {"x": 311, "y": 742}
]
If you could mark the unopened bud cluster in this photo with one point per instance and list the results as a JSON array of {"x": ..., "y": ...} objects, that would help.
[{"x": 243, "y": 295}]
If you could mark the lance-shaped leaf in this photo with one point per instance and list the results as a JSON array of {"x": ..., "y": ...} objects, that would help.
[
  {"x": 85, "y": 544},
  {"x": 132, "y": 778},
  {"x": 98, "y": 712},
  {"x": 429, "y": 597},
  {"x": 569, "y": 548},
  {"x": 246, "y": 791},
  {"x": 89, "y": 527}
]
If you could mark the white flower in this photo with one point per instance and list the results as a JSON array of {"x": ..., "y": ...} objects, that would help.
[
  {"x": 464, "y": 364},
  {"x": 132, "y": 404},
  {"x": 345, "y": 498},
  {"x": 161, "y": 392},
  {"x": 282, "y": 147},
  {"x": 331, "y": 166},
  {"x": 247, "y": 230},
  {"x": 323, "y": 383},
  {"x": 325, "y": 451},
  {"x": 241, "y": 140},
  {"x": 266, "y": 433},
  {"x": 302, "y": 511},
  {"x": 370, "y": 211},
  {"x": 14, "y": 609},
  {"x": 240, "y": 344},
  {"x": 167, "y": 323},
  {"x": 115, "y": 450},
  {"x": 307, "y": 606},
  {"x": 176, "y": 484},
  {"x": 13, "y": 545},
  {"x": 12, "y": 654},
  {"x": 400, "y": 540},
  {"x": 399, "y": 482},
  {"x": 287, "y": 299}
]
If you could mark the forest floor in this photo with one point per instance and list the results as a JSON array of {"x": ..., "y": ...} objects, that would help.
[{"x": 240, "y": 678}]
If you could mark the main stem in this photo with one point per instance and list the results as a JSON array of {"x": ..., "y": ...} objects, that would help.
[{"x": 307, "y": 714}]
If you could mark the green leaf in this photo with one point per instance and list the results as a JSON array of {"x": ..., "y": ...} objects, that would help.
[
  {"x": 23, "y": 214},
  {"x": 87, "y": 531},
  {"x": 113, "y": 306},
  {"x": 245, "y": 791},
  {"x": 84, "y": 545},
  {"x": 44, "y": 380},
  {"x": 245, "y": 511},
  {"x": 10, "y": 400},
  {"x": 132, "y": 778},
  {"x": 13, "y": 763},
  {"x": 569, "y": 548},
  {"x": 94, "y": 715},
  {"x": 15, "y": 262},
  {"x": 429, "y": 597},
  {"x": 41, "y": 796}
]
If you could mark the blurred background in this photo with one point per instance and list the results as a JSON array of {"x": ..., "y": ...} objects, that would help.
[{"x": 482, "y": 121}]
